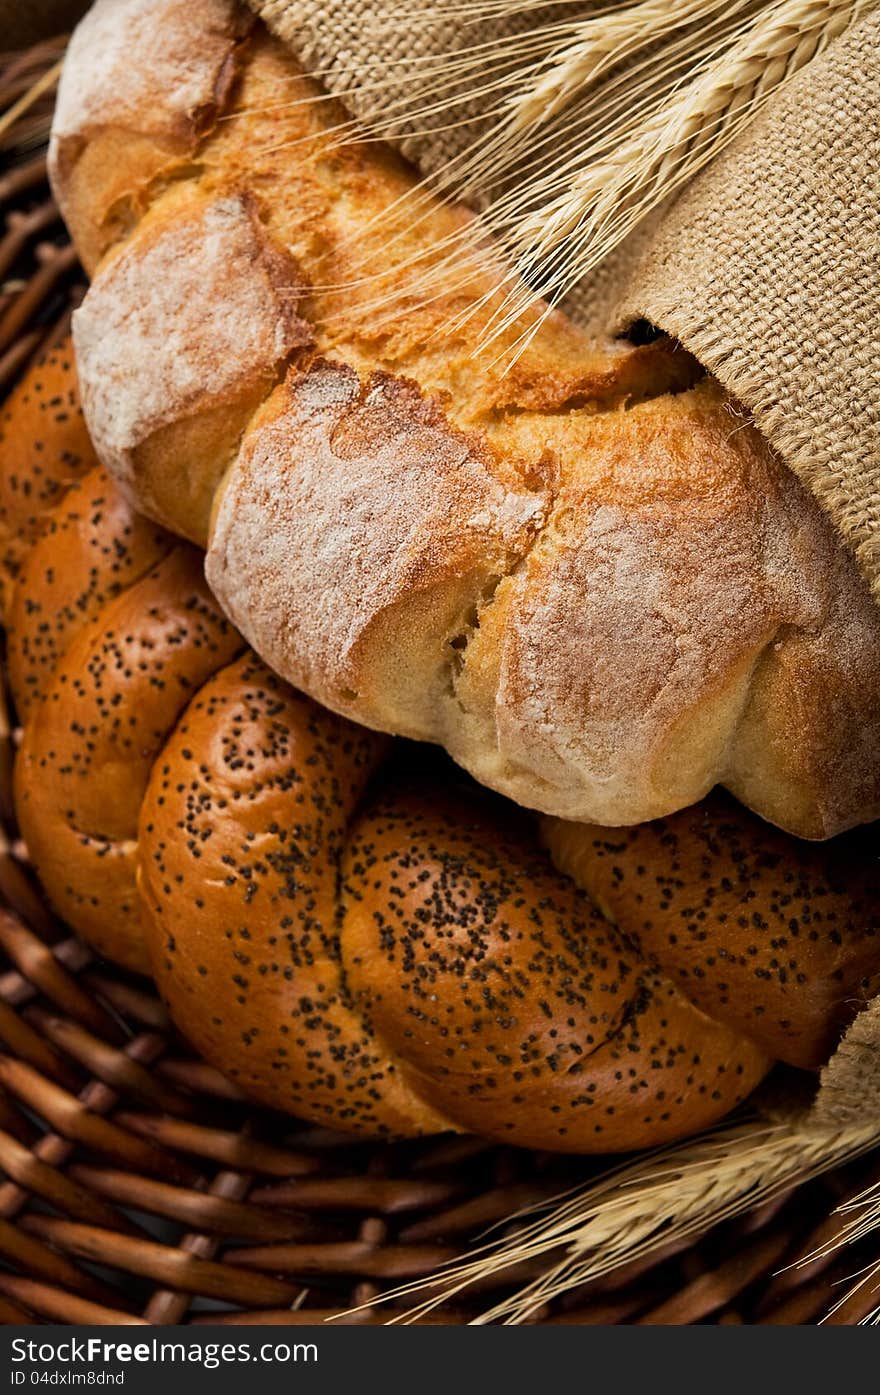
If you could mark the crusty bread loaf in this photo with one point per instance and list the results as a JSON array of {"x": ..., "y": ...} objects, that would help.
[
  {"x": 451, "y": 978},
  {"x": 356, "y": 933},
  {"x": 585, "y": 575}
]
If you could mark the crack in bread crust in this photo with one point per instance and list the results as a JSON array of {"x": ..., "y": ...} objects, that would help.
[
  {"x": 207, "y": 343},
  {"x": 165, "y": 104}
]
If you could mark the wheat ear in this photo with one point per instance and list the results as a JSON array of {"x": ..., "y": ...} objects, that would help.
[
  {"x": 602, "y": 42},
  {"x": 595, "y": 208},
  {"x": 43, "y": 85},
  {"x": 860, "y": 1218},
  {"x": 656, "y": 1201},
  {"x": 509, "y": 65}
]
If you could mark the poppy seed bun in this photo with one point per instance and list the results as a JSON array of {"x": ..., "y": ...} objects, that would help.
[
  {"x": 89, "y": 745},
  {"x": 451, "y": 979},
  {"x": 44, "y": 448},
  {"x": 739, "y": 914},
  {"x": 90, "y": 547}
]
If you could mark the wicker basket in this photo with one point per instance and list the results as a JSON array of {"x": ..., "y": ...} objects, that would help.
[{"x": 140, "y": 1187}]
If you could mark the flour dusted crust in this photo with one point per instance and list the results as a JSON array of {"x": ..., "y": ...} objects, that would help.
[
  {"x": 143, "y": 82},
  {"x": 625, "y": 649},
  {"x": 587, "y": 577},
  {"x": 466, "y": 619}
]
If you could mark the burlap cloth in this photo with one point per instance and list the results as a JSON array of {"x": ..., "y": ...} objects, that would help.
[{"x": 766, "y": 267}]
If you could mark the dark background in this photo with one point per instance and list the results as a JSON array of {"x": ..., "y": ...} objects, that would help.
[{"x": 24, "y": 21}]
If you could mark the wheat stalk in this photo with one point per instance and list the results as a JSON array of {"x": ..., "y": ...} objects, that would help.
[
  {"x": 590, "y": 123},
  {"x": 601, "y": 42},
  {"x": 863, "y": 1211},
  {"x": 669, "y": 1196},
  {"x": 44, "y": 84},
  {"x": 626, "y": 96}
]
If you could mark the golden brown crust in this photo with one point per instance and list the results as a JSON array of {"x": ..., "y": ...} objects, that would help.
[
  {"x": 168, "y": 383},
  {"x": 780, "y": 937},
  {"x": 459, "y": 982},
  {"x": 389, "y": 515},
  {"x": 369, "y": 943},
  {"x": 805, "y": 750},
  {"x": 92, "y": 546},
  {"x": 44, "y": 448},
  {"x": 89, "y": 746},
  {"x": 122, "y": 128},
  {"x": 241, "y": 833},
  {"x": 647, "y": 630},
  {"x": 681, "y": 562}
]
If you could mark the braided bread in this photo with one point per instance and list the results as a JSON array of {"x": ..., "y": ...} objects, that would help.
[
  {"x": 584, "y": 575},
  {"x": 350, "y": 930}
]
